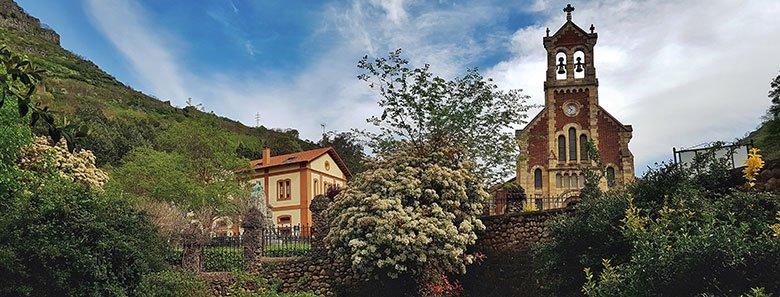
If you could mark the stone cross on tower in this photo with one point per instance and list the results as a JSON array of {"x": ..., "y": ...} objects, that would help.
[{"x": 568, "y": 9}]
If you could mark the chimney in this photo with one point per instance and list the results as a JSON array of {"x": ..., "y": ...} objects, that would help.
[{"x": 266, "y": 156}]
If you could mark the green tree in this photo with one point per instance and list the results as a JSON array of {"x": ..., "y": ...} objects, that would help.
[
  {"x": 348, "y": 147},
  {"x": 431, "y": 113}
]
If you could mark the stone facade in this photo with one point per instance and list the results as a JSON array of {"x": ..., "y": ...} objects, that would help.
[{"x": 552, "y": 145}]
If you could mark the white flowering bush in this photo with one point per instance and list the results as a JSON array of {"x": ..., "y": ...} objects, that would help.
[
  {"x": 78, "y": 166},
  {"x": 408, "y": 213}
]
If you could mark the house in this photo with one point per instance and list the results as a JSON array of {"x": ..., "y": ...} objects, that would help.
[
  {"x": 290, "y": 181},
  {"x": 554, "y": 144}
]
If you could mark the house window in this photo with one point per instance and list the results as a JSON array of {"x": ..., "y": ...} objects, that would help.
[
  {"x": 610, "y": 177},
  {"x": 583, "y": 147},
  {"x": 538, "y": 178},
  {"x": 316, "y": 187},
  {"x": 561, "y": 148},
  {"x": 284, "y": 220},
  {"x": 284, "y": 189},
  {"x": 572, "y": 144}
]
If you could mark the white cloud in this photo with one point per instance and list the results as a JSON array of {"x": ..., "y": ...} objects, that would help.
[
  {"x": 122, "y": 22},
  {"x": 680, "y": 72}
]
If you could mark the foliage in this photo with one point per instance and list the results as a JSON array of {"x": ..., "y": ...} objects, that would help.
[
  {"x": 223, "y": 258},
  {"x": 60, "y": 237},
  {"x": 253, "y": 285},
  {"x": 677, "y": 231},
  {"x": 119, "y": 118},
  {"x": 190, "y": 168},
  {"x": 19, "y": 78},
  {"x": 753, "y": 165},
  {"x": 767, "y": 136},
  {"x": 431, "y": 113},
  {"x": 408, "y": 212},
  {"x": 529, "y": 207},
  {"x": 348, "y": 147},
  {"x": 173, "y": 283},
  {"x": 79, "y": 166},
  {"x": 774, "y": 95}
]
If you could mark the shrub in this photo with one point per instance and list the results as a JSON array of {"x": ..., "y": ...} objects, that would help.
[
  {"x": 61, "y": 238},
  {"x": 677, "y": 231},
  {"x": 252, "y": 285},
  {"x": 223, "y": 258},
  {"x": 173, "y": 283},
  {"x": 408, "y": 213}
]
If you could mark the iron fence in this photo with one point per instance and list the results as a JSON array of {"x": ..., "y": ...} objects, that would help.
[
  {"x": 502, "y": 202},
  {"x": 223, "y": 254},
  {"x": 287, "y": 241}
]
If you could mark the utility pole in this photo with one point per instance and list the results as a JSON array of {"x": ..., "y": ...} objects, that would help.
[{"x": 257, "y": 120}]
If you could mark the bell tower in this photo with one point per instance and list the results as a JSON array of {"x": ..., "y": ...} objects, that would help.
[
  {"x": 553, "y": 145},
  {"x": 570, "y": 55}
]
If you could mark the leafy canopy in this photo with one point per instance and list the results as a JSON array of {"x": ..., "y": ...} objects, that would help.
[{"x": 432, "y": 113}]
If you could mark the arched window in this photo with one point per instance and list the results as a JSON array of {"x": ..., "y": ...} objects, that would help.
[
  {"x": 583, "y": 147},
  {"x": 579, "y": 64},
  {"x": 560, "y": 66},
  {"x": 572, "y": 144},
  {"x": 538, "y": 178},
  {"x": 316, "y": 187},
  {"x": 575, "y": 181},
  {"x": 559, "y": 181},
  {"x": 561, "y": 148},
  {"x": 582, "y": 181},
  {"x": 566, "y": 181},
  {"x": 610, "y": 176}
]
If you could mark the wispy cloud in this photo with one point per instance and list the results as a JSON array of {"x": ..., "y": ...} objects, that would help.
[
  {"x": 152, "y": 60},
  {"x": 680, "y": 72}
]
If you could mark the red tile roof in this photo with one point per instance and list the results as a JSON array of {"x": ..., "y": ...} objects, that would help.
[{"x": 300, "y": 157}]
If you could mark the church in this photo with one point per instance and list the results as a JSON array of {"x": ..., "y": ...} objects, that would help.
[{"x": 553, "y": 144}]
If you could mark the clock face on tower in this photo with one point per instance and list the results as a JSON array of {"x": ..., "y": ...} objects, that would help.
[{"x": 570, "y": 109}]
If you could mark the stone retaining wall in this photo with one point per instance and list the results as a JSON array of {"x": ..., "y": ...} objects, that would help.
[{"x": 515, "y": 232}]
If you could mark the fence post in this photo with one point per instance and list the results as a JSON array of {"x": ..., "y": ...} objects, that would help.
[
  {"x": 192, "y": 241},
  {"x": 319, "y": 223},
  {"x": 254, "y": 241}
]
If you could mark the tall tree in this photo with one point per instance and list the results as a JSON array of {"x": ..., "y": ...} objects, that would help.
[{"x": 469, "y": 113}]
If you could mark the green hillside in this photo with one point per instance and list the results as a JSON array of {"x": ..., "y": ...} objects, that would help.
[{"x": 118, "y": 117}]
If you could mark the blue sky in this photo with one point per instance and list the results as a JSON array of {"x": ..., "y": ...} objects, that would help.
[{"x": 681, "y": 72}]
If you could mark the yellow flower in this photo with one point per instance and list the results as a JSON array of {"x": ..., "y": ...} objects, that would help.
[{"x": 753, "y": 166}]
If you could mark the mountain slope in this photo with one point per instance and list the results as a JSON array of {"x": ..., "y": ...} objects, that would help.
[{"x": 118, "y": 117}]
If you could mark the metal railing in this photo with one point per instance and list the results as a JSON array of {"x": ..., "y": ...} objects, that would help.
[{"x": 503, "y": 202}]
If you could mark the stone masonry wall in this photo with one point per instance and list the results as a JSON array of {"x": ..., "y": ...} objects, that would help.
[
  {"x": 510, "y": 234},
  {"x": 515, "y": 232}
]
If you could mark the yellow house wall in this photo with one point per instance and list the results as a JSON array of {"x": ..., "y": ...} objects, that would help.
[
  {"x": 295, "y": 192},
  {"x": 295, "y": 215},
  {"x": 333, "y": 175}
]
